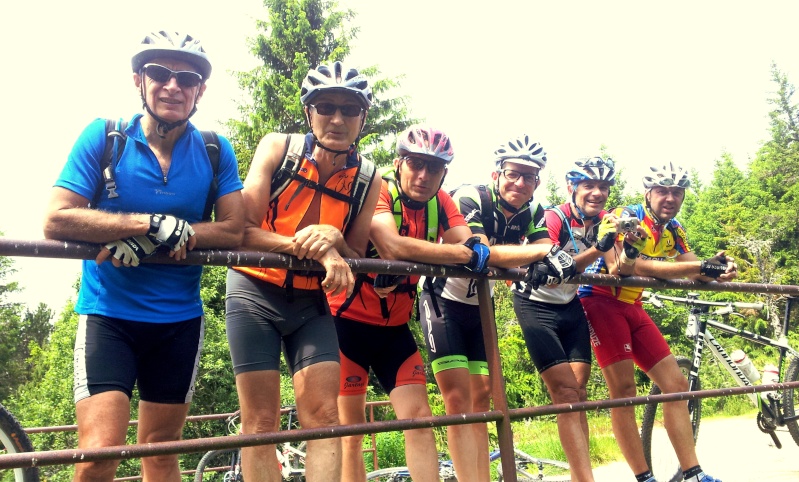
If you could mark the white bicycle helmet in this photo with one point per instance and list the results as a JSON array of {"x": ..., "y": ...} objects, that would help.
[
  {"x": 669, "y": 175},
  {"x": 335, "y": 77},
  {"x": 174, "y": 45},
  {"x": 595, "y": 168},
  {"x": 521, "y": 150}
]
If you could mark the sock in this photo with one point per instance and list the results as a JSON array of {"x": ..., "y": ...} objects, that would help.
[
  {"x": 645, "y": 477},
  {"x": 694, "y": 474}
]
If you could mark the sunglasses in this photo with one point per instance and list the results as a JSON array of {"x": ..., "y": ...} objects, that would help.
[
  {"x": 514, "y": 176},
  {"x": 328, "y": 109},
  {"x": 432, "y": 167},
  {"x": 161, "y": 74},
  {"x": 597, "y": 162}
]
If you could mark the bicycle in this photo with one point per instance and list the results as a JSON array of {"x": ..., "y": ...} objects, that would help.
[
  {"x": 14, "y": 440},
  {"x": 528, "y": 469},
  {"x": 775, "y": 410},
  {"x": 225, "y": 465}
]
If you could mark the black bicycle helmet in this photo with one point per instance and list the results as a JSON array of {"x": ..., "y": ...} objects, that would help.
[{"x": 174, "y": 45}]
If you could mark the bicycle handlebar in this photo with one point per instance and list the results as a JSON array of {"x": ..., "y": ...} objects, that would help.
[{"x": 654, "y": 298}]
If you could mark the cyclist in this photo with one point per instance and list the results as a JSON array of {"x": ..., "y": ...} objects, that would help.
[
  {"x": 552, "y": 320},
  {"x": 143, "y": 324},
  {"x": 413, "y": 213},
  {"x": 502, "y": 214},
  {"x": 621, "y": 331},
  {"x": 267, "y": 306}
]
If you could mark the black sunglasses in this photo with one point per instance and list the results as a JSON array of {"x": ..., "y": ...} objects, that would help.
[
  {"x": 328, "y": 109},
  {"x": 432, "y": 167},
  {"x": 161, "y": 74}
]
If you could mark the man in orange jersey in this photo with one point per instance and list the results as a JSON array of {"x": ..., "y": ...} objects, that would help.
[
  {"x": 412, "y": 215},
  {"x": 268, "y": 306}
]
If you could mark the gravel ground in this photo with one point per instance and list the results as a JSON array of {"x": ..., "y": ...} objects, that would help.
[{"x": 733, "y": 450}]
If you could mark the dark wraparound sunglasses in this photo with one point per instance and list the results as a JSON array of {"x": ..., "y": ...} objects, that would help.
[
  {"x": 161, "y": 74},
  {"x": 328, "y": 109},
  {"x": 433, "y": 167}
]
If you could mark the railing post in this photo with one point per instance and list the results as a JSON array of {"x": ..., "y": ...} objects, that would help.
[{"x": 498, "y": 394}]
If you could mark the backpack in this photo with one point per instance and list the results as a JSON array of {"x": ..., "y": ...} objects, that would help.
[
  {"x": 115, "y": 140},
  {"x": 486, "y": 208},
  {"x": 289, "y": 170}
]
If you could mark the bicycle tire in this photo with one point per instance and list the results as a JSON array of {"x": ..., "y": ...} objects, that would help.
[
  {"x": 791, "y": 398},
  {"x": 391, "y": 474},
  {"x": 544, "y": 470},
  {"x": 666, "y": 460},
  {"x": 14, "y": 440},
  {"x": 217, "y": 459}
]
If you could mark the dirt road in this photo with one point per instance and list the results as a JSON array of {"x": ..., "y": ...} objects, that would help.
[{"x": 733, "y": 450}]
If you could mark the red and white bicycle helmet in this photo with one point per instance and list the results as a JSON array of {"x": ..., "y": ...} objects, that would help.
[
  {"x": 335, "y": 77},
  {"x": 425, "y": 141},
  {"x": 669, "y": 175},
  {"x": 521, "y": 150},
  {"x": 173, "y": 45}
]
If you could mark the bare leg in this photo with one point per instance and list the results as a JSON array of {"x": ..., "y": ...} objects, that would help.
[
  {"x": 259, "y": 397},
  {"x": 316, "y": 390},
  {"x": 621, "y": 384},
  {"x": 481, "y": 402},
  {"x": 352, "y": 410},
  {"x": 455, "y": 386},
  {"x": 667, "y": 375},
  {"x": 564, "y": 388},
  {"x": 161, "y": 422},
  {"x": 102, "y": 422},
  {"x": 410, "y": 401}
]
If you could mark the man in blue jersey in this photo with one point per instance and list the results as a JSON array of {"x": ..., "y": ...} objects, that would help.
[{"x": 143, "y": 324}]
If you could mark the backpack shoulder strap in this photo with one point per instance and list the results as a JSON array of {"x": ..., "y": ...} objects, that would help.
[
  {"x": 486, "y": 211},
  {"x": 211, "y": 141},
  {"x": 115, "y": 140},
  {"x": 363, "y": 180},
  {"x": 292, "y": 157}
]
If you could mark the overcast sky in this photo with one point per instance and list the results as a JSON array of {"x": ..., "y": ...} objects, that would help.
[{"x": 679, "y": 80}]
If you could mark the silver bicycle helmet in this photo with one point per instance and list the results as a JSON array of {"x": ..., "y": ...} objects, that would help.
[
  {"x": 426, "y": 141},
  {"x": 521, "y": 150},
  {"x": 595, "y": 168},
  {"x": 669, "y": 175},
  {"x": 335, "y": 77},
  {"x": 174, "y": 45}
]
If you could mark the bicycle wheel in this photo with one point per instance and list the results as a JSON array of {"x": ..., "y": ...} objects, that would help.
[
  {"x": 392, "y": 474},
  {"x": 657, "y": 448},
  {"x": 14, "y": 440},
  {"x": 530, "y": 469},
  {"x": 791, "y": 399},
  {"x": 219, "y": 466}
]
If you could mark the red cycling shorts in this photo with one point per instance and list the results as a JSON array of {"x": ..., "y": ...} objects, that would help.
[{"x": 623, "y": 331}]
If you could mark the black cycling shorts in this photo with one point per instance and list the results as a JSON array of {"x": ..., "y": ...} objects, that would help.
[
  {"x": 390, "y": 351},
  {"x": 553, "y": 333},
  {"x": 259, "y": 317},
  {"x": 453, "y": 334},
  {"x": 160, "y": 358}
]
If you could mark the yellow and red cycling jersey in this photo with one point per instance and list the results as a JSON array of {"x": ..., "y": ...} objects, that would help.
[
  {"x": 287, "y": 214},
  {"x": 664, "y": 241},
  {"x": 366, "y": 305}
]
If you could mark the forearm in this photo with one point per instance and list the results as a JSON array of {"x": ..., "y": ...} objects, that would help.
[
  {"x": 514, "y": 256},
  {"x": 95, "y": 226},
  {"x": 257, "y": 239},
  {"x": 220, "y": 234},
  {"x": 666, "y": 269},
  {"x": 410, "y": 249}
]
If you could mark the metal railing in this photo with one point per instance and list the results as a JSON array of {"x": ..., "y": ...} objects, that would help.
[{"x": 502, "y": 415}]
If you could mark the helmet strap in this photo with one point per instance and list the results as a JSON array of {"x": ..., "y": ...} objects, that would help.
[
  {"x": 502, "y": 202},
  {"x": 404, "y": 198},
  {"x": 163, "y": 127}
]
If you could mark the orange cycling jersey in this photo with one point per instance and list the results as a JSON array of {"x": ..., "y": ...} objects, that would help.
[
  {"x": 365, "y": 306},
  {"x": 663, "y": 241},
  {"x": 286, "y": 215}
]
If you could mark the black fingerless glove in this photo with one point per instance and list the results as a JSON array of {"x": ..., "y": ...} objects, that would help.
[{"x": 713, "y": 267}]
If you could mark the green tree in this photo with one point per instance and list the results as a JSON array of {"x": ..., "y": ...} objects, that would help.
[{"x": 299, "y": 35}]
